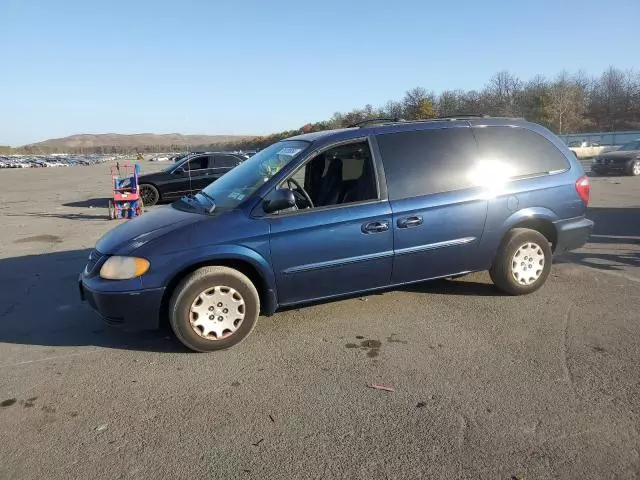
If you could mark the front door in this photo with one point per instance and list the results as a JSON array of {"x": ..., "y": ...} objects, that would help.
[{"x": 344, "y": 243}]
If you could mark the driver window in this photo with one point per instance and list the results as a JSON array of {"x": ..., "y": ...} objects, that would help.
[{"x": 338, "y": 176}]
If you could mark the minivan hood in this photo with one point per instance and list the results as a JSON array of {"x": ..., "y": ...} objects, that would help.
[{"x": 132, "y": 234}]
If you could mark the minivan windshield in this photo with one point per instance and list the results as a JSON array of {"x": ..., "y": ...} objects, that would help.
[{"x": 242, "y": 181}]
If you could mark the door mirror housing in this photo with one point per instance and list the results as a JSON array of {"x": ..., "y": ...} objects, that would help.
[
  {"x": 179, "y": 171},
  {"x": 281, "y": 199}
]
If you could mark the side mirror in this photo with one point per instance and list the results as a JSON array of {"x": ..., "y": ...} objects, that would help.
[
  {"x": 179, "y": 171},
  {"x": 281, "y": 199}
]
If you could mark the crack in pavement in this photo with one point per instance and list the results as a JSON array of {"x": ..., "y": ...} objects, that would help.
[
  {"x": 463, "y": 425},
  {"x": 568, "y": 376}
]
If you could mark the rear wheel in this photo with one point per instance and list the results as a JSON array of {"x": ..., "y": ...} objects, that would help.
[
  {"x": 149, "y": 194},
  {"x": 634, "y": 168},
  {"x": 523, "y": 262},
  {"x": 214, "y": 308}
]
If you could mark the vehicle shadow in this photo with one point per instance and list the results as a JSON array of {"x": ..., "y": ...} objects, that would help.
[
  {"x": 92, "y": 202},
  {"x": 455, "y": 287},
  {"x": 65, "y": 216},
  {"x": 614, "y": 243},
  {"x": 104, "y": 203},
  {"x": 442, "y": 286},
  {"x": 40, "y": 305}
]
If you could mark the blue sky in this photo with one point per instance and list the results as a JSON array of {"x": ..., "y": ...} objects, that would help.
[{"x": 258, "y": 66}]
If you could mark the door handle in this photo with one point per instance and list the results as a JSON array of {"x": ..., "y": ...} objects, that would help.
[
  {"x": 408, "y": 222},
  {"x": 375, "y": 227}
]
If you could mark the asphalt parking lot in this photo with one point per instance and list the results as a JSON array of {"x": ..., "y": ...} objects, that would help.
[{"x": 486, "y": 386}]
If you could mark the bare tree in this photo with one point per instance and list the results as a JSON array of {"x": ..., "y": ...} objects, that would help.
[
  {"x": 503, "y": 93},
  {"x": 449, "y": 103},
  {"x": 567, "y": 103},
  {"x": 534, "y": 100},
  {"x": 393, "y": 109},
  {"x": 609, "y": 99}
]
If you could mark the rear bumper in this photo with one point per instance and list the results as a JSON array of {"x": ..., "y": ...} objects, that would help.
[
  {"x": 137, "y": 310},
  {"x": 572, "y": 233}
]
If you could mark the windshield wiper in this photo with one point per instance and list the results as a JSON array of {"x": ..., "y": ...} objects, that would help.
[
  {"x": 211, "y": 200},
  {"x": 189, "y": 202}
]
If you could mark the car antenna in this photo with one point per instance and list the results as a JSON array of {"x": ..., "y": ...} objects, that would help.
[{"x": 189, "y": 173}]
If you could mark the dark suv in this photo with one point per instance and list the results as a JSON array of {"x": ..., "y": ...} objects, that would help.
[
  {"x": 335, "y": 213},
  {"x": 188, "y": 175}
]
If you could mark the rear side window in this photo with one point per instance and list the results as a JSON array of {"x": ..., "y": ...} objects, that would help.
[
  {"x": 225, "y": 161},
  {"x": 526, "y": 152},
  {"x": 427, "y": 161}
]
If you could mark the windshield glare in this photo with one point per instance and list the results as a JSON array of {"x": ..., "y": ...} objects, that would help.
[{"x": 245, "y": 179}]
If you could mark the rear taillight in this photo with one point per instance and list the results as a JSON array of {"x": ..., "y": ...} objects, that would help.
[{"x": 583, "y": 187}]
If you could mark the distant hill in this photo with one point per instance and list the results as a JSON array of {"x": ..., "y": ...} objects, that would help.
[{"x": 136, "y": 140}]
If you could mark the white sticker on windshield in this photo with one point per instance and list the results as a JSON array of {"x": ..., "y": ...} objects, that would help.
[
  {"x": 289, "y": 151},
  {"x": 236, "y": 195}
]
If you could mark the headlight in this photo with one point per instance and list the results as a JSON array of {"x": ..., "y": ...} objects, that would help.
[{"x": 123, "y": 268}]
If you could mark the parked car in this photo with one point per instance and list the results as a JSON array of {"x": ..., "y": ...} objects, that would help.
[
  {"x": 337, "y": 213},
  {"x": 625, "y": 160},
  {"x": 187, "y": 176},
  {"x": 586, "y": 149}
]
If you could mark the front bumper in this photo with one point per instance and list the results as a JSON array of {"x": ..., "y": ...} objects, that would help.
[
  {"x": 134, "y": 310},
  {"x": 572, "y": 233}
]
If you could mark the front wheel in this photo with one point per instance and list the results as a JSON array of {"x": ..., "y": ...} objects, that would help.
[
  {"x": 523, "y": 262},
  {"x": 634, "y": 168},
  {"x": 149, "y": 194},
  {"x": 214, "y": 308}
]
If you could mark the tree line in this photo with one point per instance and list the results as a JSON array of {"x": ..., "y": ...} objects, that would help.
[{"x": 566, "y": 103}]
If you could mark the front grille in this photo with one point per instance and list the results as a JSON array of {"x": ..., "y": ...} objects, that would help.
[{"x": 95, "y": 260}]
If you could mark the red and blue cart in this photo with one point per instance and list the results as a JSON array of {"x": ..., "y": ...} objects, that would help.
[{"x": 126, "y": 201}]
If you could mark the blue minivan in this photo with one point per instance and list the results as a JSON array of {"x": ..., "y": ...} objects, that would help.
[{"x": 335, "y": 213}]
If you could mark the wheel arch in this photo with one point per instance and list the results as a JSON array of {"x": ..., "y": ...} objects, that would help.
[
  {"x": 154, "y": 185},
  {"x": 539, "y": 219},
  {"x": 258, "y": 273}
]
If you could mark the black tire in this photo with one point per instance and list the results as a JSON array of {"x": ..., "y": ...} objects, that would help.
[
  {"x": 502, "y": 272},
  {"x": 633, "y": 169},
  {"x": 191, "y": 287},
  {"x": 149, "y": 194}
]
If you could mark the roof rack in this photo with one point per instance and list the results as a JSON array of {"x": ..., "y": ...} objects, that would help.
[
  {"x": 384, "y": 121},
  {"x": 374, "y": 121},
  {"x": 453, "y": 118},
  {"x": 462, "y": 115}
]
